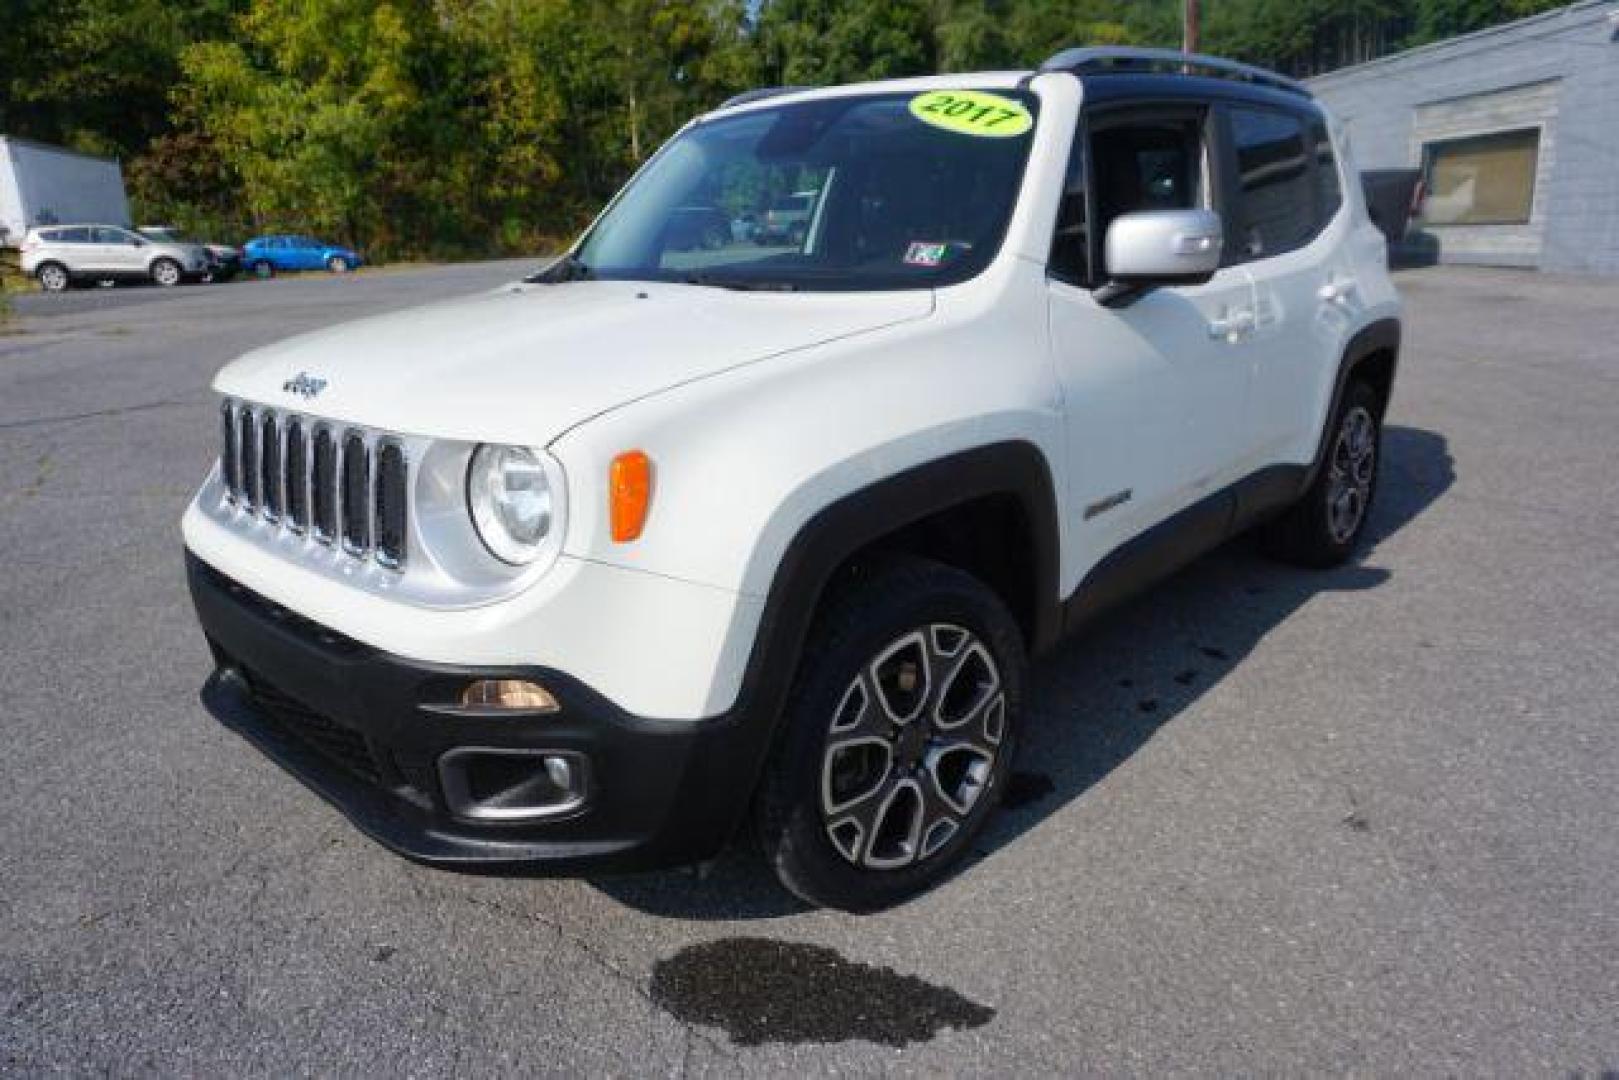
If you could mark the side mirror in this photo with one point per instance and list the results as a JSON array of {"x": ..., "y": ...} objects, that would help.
[{"x": 1159, "y": 247}]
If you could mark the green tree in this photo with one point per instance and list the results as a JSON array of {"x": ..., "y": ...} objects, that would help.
[{"x": 816, "y": 42}]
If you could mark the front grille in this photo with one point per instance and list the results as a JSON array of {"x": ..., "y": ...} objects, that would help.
[{"x": 291, "y": 472}]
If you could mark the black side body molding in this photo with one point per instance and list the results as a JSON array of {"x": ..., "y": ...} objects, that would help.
[{"x": 1176, "y": 541}]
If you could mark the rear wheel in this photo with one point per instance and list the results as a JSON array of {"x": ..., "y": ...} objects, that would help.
[
  {"x": 167, "y": 273},
  {"x": 263, "y": 270},
  {"x": 1325, "y": 526},
  {"x": 53, "y": 277},
  {"x": 898, "y": 738}
]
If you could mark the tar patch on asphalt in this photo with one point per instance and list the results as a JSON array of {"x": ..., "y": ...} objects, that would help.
[
  {"x": 1024, "y": 788},
  {"x": 762, "y": 991}
]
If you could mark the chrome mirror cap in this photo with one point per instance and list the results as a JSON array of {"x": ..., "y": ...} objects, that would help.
[{"x": 1164, "y": 246}]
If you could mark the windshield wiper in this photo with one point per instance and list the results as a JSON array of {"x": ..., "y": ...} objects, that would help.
[
  {"x": 568, "y": 268},
  {"x": 738, "y": 284}
]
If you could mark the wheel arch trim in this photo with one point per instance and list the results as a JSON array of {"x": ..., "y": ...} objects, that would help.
[
  {"x": 858, "y": 519},
  {"x": 1375, "y": 338}
]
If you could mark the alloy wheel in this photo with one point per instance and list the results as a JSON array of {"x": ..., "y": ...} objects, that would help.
[
  {"x": 912, "y": 747},
  {"x": 1350, "y": 472},
  {"x": 53, "y": 279}
]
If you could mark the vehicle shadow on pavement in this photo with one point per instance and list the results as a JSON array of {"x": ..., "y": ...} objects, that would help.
[{"x": 1102, "y": 695}]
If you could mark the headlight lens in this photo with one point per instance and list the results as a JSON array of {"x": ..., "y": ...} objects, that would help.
[{"x": 510, "y": 498}]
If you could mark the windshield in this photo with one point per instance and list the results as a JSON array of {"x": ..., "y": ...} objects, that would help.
[{"x": 882, "y": 191}]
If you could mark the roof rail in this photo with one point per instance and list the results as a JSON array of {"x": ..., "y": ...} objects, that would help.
[
  {"x": 759, "y": 94},
  {"x": 1121, "y": 59}
]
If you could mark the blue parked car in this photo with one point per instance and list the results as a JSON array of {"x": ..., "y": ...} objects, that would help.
[{"x": 264, "y": 255}]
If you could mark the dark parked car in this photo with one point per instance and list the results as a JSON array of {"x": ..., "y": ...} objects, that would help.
[
  {"x": 265, "y": 255},
  {"x": 1393, "y": 198},
  {"x": 224, "y": 261}
]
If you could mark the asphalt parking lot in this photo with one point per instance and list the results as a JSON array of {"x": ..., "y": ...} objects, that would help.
[{"x": 1265, "y": 820}]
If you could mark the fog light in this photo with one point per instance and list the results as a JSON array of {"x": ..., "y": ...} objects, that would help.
[
  {"x": 486, "y": 784},
  {"x": 514, "y": 694}
]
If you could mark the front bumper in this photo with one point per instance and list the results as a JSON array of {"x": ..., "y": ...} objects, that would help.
[{"x": 367, "y": 730}]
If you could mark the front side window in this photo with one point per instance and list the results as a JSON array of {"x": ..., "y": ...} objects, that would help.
[
  {"x": 1275, "y": 201},
  {"x": 1484, "y": 180},
  {"x": 848, "y": 193},
  {"x": 1142, "y": 164}
]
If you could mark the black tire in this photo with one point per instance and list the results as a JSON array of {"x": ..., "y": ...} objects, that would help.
[
  {"x": 53, "y": 277},
  {"x": 263, "y": 270},
  {"x": 167, "y": 273},
  {"x": 337, "y": 264},
  {"x": 872, "y": 615},
  {"x": 1310, "y": 533}
]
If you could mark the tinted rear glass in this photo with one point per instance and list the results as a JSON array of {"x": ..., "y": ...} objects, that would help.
[{"x": 1276, "y": 206}]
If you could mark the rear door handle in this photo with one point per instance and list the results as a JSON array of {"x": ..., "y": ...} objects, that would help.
[
  {"x": 1336, "y": 292},
  {"x": 1233, "y": 327}
]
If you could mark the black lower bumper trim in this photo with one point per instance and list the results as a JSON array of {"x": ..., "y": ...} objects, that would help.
[{"x": 365, "y": 730}]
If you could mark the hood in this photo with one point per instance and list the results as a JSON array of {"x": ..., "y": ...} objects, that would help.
[{"x": 525, "y": 363}]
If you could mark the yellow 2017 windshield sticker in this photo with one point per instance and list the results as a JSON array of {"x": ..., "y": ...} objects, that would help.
[{"x": 972, "y": 112}]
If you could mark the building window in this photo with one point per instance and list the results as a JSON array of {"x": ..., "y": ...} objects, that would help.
[{"x": 1482, "y": 180}]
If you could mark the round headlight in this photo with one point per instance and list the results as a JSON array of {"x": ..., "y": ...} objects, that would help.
[{"x": 511, "y": 502}]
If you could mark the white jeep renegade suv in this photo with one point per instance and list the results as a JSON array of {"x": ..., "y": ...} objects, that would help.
[{"x": 584, "y": 573}]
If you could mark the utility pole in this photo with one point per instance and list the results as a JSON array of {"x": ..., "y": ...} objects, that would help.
[{"x": 1191, "y": 25}]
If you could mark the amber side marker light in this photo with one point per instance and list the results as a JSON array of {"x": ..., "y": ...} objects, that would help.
[
  {"x": 514, "y": 694},
  {"x": 629, "y": 486}
]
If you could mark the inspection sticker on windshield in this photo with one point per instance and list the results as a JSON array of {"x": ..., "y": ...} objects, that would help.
[
  {"x": 972, "y": 112},
  {"x": 925, "y": 254}
]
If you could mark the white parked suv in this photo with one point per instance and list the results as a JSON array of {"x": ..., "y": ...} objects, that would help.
[
  {"x": 587, "y": 572},
  {"x": 59, "y": 255}
]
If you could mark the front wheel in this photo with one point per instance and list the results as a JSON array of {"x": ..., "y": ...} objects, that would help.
[
  {"x": 263, "y": 270},
  {"x": 898, "y": 738},
  {"x": 53, "y": 277},
  {"x": 167, "y": 273},
  {"x": 337, "y": 264},
  {"x": 1325, "y": 526}
]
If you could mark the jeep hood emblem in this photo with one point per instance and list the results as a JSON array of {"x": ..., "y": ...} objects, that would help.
[{"x": 304, "y": 385}]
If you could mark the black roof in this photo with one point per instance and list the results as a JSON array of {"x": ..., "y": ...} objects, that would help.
[{"x": 1121, "y": 86}]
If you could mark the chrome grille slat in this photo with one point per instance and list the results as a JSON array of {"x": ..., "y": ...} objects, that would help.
[
  {"x": 228, "y": 460},
  {"x": 391, "y": 522},
  {"x": 270, "y": 466},
  {"x": 247, "y": 435},
  {"x": 323, "y": 485},
  {"x": 297, "y": 476},
  {"x": 354, "y": 499}
]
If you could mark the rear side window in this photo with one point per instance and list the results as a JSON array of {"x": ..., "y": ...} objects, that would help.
[
  {"x": 73, "y": 236},
  {"x": 1328, "y": 192},
  {"x": 1275, "y": 198}
]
